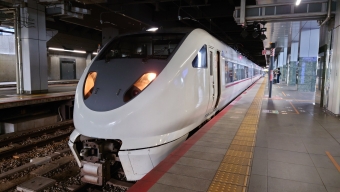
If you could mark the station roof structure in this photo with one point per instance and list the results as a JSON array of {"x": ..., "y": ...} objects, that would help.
[{"x": 86, "y": 18}]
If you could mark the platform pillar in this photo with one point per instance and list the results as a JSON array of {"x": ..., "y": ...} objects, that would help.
[
  {"x": 292, "y": 66},
  {"x": 284, "y": 66},
  {"x": 309, "y": 48},
  {"x": 334, "y": 87},
  {"x": 280, "y": 60},
  {"x": 88, "y": 59},
  {"x": 34, "y": 53},
  {"x": 324, "y": 56}
]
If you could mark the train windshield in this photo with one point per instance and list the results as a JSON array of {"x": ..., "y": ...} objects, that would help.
[{"x": 156, "y": 46}]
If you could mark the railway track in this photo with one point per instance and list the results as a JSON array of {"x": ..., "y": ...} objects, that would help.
[
  {"x": 20, "y": 136},
  {"x": 56, "y": 172},
  {"x": 40, "y": 172},
  {"x": 37, "y": 138},
  {"x": 23, "y": 168}
]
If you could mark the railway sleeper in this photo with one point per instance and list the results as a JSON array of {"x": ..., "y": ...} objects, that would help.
[
  {"x": 122, "y": 185},
  {"x": 33, "y": 162}
]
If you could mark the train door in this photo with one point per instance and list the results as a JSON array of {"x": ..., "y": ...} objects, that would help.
[
  {"x": 217, "y": 78},
  {"x": 212, "y": 60}
]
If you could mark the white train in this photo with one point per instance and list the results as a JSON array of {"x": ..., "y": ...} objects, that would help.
[{"x": 143, "y": 94}]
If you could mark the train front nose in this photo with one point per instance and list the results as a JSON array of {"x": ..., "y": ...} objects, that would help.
[{"x": 109, "y": 85}]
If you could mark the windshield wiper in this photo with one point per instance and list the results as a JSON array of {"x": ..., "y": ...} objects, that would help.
[{"x": 108, "y": 56}]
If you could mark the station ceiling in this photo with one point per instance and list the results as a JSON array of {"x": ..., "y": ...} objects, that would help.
[{"x": 215, "y": 16}]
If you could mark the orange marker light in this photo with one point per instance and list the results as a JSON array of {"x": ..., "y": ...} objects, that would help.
[
  {"x": 89, "y": 84},
  {"x": 145, "y": 80}
]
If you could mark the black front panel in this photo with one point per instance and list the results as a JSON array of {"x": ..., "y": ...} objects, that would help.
[{"x": 115, "y": 77}]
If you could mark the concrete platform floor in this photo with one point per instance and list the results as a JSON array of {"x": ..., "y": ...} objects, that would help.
[
  {"x": 55, "y": 88},
  {"x": 296, "y": 148},
  {"x": 9, "y": 98},
  {"x": 293, "y": 136}
]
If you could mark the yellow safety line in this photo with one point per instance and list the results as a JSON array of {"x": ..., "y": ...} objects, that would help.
[
  {"x": 296, "y": 100},
  {"x": 284, "y": 94},
  {"x": 294, "y": 107},
  {"x": 333, "y": 161},
  {"x": 234, "y": 171}
]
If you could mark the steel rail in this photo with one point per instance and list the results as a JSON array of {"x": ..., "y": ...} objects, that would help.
[
  {"x": 19, "y": 149},
  {"x": 12, "y": 140}
]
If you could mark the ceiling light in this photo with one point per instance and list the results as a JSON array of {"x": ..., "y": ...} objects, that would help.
[
  {"x": 152, "y": 29},
  {"x": 95, "y": 53},
  {"x": 255, "y": 34},
  {"x": 298, "y": 2},
  {"x": 55, "y": 49},
  {"x": 59, "y": 49},
  {"x": 77, "y": 51}
]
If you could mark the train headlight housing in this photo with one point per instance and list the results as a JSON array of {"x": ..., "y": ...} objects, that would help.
[
  {"x": 89, "y": 84},
  {"x": 145, "y": 80},
  {"x": 139, "y": 86}
]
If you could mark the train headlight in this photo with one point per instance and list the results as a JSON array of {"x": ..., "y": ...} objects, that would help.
[
  {"x": 139, "y": 86},
  {"x": 89, "y": 84},
  {"x": 145, "y": 80}
]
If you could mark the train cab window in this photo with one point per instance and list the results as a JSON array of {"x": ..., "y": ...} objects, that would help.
[
  {"x": 200, "y": 61},
  {"x": 156, "y": 46}
]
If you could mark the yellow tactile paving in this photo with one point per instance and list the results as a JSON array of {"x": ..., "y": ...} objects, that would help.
[
  {"x": 233, "y": 168},
  {"x": 247, "y": 131},
  {"x": 237, "y": 160},
  {"x": 233, "y": 172},
  {"x": 231, "y": 178},
  {"x": 216, "y": 186},
  {"x": 248, "y": 127},
  {"x": 245, "y": 143},
  {"x": 245, "y": 134},
  {"x": 241, "y": 148},
  {"x": 242, "y": 154},
  {"x": 244, "y": 138}
]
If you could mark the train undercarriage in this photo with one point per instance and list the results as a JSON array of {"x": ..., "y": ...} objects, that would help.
[{"x": 98, "y": 159}]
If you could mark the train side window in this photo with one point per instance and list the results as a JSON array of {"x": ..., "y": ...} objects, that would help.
[
  {"x": 200, "y": 61},
  {"x": 228, "y": 72},
  {"x": 235, "y": 72},
  {"x": 241, "y": 72}
]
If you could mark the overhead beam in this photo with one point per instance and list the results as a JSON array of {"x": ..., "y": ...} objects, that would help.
[
  {"x": 75, "y": 30},
  {"x": 282, "y": 12}
]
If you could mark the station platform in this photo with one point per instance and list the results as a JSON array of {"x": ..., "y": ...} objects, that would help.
[
  {"x": 256, "y": 144},
  {"x": 64, "y": 90},
  {"x": 55, "y": 82}
]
